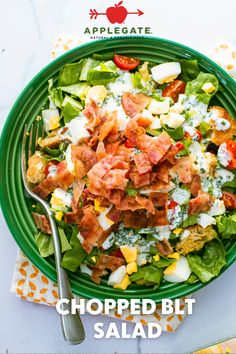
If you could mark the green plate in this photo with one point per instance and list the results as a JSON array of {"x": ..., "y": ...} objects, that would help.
[{"x": 28, "y": 105}]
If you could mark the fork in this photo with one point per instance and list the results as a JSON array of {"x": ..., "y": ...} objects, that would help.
[{"x": 72, "y": 326}]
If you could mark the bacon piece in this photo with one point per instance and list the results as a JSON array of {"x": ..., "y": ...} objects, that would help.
[
  {"x": 170, "y": 155},
  {"x": 159, "y": 219},
  {"x": 195, "y": 185},
  {"x": 115, "y": 179},
  {"x": 164, "y": 247},
  {"x": 136, "y": 219},
  {"x": 110, "y": 126},
  {"x": 77, "y": 192},
  {"x": 116, "y": 196},
  {"x": 95, "y": 115},
  {"x": 114, "y": 214},
  {"x": 201, "y": 203},
  {"x": 90, "y": 229},
  {"x": 146, "y": 204},
  {"x": 97, "y": 274},
  {"x": 159, "y": 185},
  {"x": 162, "y": 172},
  {"x": 101, "y": 151},
  {"x": 109, "y": 262},
  {"x": 183, "y": 168},
  {"x": 143, "y": 142},
  {"x": 159, "y": 199},
  {"x": 134, "y": 104},
  {"x": 123, "y": 152},
  {"x": 159, "y": 147},
  {"x": 62, "y": 179},
  {"x": 139, "y": 180},
  {"x": 42, "y": 223},
  {"x": 142, "y": 162}
]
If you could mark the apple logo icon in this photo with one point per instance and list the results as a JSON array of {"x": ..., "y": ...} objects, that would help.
[{"x": 117, "y": 13}]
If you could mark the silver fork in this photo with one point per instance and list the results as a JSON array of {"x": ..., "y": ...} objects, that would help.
[{"x": 72, "y": 326}]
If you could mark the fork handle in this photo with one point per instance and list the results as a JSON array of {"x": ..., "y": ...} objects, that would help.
[{"x": 72, "y": 326}]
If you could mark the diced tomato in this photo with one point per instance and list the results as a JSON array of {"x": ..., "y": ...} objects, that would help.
[
  {"x": 229, "y": 200},
  {"x": 172, "y": 204},
  {"x": 50, "y": 164},
  {"x": 196, "y": 133},
  {"x": 179, "y": 145},
  {"x": 174, "y": 89},
  {"x": 116, "y": 253},
  {"x": 199, "y": 135},
  {"x": 231, "y": 147},
  {"x": 125, "y": 63}
]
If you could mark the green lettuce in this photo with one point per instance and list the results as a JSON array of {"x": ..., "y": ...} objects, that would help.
[
  {"x": 103, "y": 73},
  {"x": 175, "y": 134},
  {"x": 189, "y": 221},
  {"x": 195, "y": 87},
  {"x": 70, "y": 73},
  {"x": 75, "y": 256},
  {"x": 79, "y": 90},
  {"x": 55, "y": 94},
  {"x": 45, "y": 244},
  {"x": 189, "y": 69},
  {"x": 88, "y": 64},
  {"x": 209, "y": 262},
  {"x": 226, "y": 225},
  {"x": 185, "y": 151},
  {"x": 147, "y": 275},
  {"x": 71, "y": 108}
]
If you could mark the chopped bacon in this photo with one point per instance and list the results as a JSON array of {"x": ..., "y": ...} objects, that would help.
[
  {"x": 139, "y": 180},
  {"x": 116, "y": 196},
  {"x": 195, "y": 185},
  {"x": 134, "y": 104},
  {"x": 143, "y": 142},
  {"x": 123, "y": 152},
  {"x": 84, "y": 154},
  {"x": 114, "y": 215},
  {"x": 158, "y": 185},
  {"x": 42, "y": 223},
  {"x": 110, "y": 126},
  {"x": 159, "y": 147},
  {"x": 115, "y": 179},
  {"x": 109, "y": 262},
  {"x": 142, "y": 162},
  {"x": 146, "y": 204},
  {"x": 159, "y": 219},
  {"x": 63, "y": 178},
  {"x": 159, "y": 199},
  {"x": 136, "y": 219},
  {"x": 164, "y": 247},
  {"x": 101, "y": 151},
  {"x": 183, "y": 168},
  {"x": 95, "y": 115},
  {"x": 97, "y": 274},
  {"x": 77, "y": 192},
  {"x": 90, "y": 228},
  {"x": 201, "y": 203},
  {"x": 162, "y": 172},
  {"x": 170, "y": 155}
]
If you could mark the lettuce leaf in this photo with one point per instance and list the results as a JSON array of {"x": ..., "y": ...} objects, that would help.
[
  {"x": 195, "y": 87},
  {"x": 191, "y": 220},
  {"x": 175, "y": 134},
  {"x": 65, "y": 246},
  {"x": 71, "y": 108},
  {"x": 88, "y": 64},
  {"x": 189, "y": 69},
  {"x": 147, "y": 275},
  {"x": 226, "y": 225},
  {"x": 79, "y": 90},
  {"x": 70, "y": 73},
  {"x": 55, "y": 94},
  {"x": 75, "y": 256},
  {"x": 103, "y": 73},
  {"x": 209, "y": 262},
  {"x": 45, "y": 244}
]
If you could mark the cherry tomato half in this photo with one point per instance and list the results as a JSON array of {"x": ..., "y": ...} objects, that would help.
[
  {"x": 229, "y": 200},
  {"x": 129, "y": 144},
  {"x": 125, "y": 63},
  {"x": 174, "y": 89},
  {"x": 180, "y": 146},
  {"x": 231, "y": 147},
  {"x": 50, "y": 164}
]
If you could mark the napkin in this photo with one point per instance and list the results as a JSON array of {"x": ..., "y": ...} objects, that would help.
[{"x": 30, "y": 284}]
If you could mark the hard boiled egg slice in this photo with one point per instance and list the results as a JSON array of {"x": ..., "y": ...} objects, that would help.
[
  {"x": 103, "y": 220},
  {"x": 178, "y": 271},
  {"x": 117, "y": 276},
  {"x": 130, "y": 253},
  {"x": 165, "y": 73},
  {"x": 51, "y": 119},
  {"x": 61, "y": 200}
]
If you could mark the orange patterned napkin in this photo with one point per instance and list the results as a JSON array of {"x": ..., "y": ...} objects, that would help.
[{"x": 30, "y": 284}]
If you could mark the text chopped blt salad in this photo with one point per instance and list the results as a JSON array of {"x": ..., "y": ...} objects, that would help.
[{"x": 139, "y": 170}]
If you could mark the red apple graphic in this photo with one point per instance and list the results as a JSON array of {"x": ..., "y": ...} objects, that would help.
[{"x": 117, "y": 13}]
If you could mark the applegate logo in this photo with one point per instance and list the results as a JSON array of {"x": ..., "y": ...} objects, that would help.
[{"x": 115, "y": 15}]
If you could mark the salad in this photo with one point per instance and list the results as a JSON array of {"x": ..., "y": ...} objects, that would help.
[{"x": 138, "y": 165}]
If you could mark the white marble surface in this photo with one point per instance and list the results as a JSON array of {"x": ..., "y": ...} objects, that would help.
[{"x": 27, "y": 31}]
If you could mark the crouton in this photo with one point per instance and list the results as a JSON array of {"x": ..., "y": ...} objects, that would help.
[
  {"x": 36, "y": 166},
  {"x": 51, "y": 141},
  {"x": 218, "y": 137}
]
